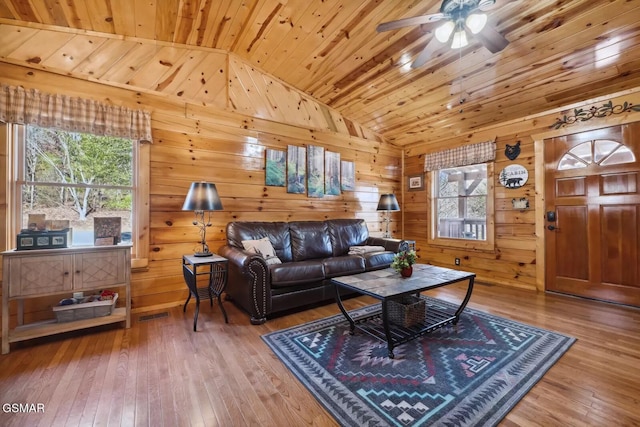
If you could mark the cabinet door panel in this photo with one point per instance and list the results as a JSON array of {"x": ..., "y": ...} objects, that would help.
[
  {"x": 97, "y": 270},
  {"x": 40, "y": 275}
]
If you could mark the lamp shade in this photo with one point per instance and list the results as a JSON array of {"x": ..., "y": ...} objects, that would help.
[
  {"x": 202, "y": 196},
  {"x": 388, "y": 202},
  {"x": 476, "y": 22}
]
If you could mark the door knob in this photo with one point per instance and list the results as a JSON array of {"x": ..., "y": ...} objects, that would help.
[{"x": 551, "y": 227}]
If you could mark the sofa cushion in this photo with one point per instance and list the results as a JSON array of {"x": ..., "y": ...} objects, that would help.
[
  {"x": 277, "y": 232},
  {"x": 377, "y": 260},
  {"x": 345, "y": 233},
  {"x": 263, "y": 248},
  {"x": 309, "y": 240},
  {"x": 292, "y": 273},
  {"x": 343, "y": 265}
]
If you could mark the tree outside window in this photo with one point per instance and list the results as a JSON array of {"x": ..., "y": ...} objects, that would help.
[
  {"x": 77, "y": 177},
  {"x": 461, "y": 202}
]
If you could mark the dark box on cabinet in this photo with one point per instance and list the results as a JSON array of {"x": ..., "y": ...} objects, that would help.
[{"x": 28, "y": 239}]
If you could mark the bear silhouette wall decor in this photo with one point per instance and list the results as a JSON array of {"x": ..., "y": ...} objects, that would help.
[{"x": 513, "y": 176}]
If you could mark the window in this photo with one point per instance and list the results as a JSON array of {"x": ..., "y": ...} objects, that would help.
[
  {"x": 461, "y": 205},
  {"x": 77, "y": 177},
  {"x": 600, "y": 152}
]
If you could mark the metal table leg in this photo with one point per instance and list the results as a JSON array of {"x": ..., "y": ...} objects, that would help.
[
  {"x": 352, "y": 324},
  {"x": 465, "y": 301},
  {"x": 387, "y": 329}
]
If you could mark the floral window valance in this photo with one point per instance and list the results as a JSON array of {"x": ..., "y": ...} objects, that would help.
[
  {"x": 32, "y": 107},
  {"x": 461, "y": 156}
]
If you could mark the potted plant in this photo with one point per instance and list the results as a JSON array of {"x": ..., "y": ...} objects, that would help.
[{"x": 403, "y": 261}]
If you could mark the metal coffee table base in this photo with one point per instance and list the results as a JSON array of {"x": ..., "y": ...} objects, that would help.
[{"x": 378, "y": 325}]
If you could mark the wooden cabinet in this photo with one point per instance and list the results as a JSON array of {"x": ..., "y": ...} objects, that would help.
[{"x": 37, "y": 273}]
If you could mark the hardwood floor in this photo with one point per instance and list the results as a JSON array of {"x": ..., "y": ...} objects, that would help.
[{"x": 161, "y": 373}]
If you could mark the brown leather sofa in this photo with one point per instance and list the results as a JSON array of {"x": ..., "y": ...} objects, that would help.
[{"x": 311, "y": 253}]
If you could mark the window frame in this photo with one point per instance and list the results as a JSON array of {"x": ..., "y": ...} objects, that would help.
[
  {"x": 10, "y": 134},
  {"x": 432, "y": 220}
]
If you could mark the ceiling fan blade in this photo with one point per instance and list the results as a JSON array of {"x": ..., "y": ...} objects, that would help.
[
  {"x": 406, "y": 22},
  {"x": 426, "y": 53},
  {"x": 492, "y": 39},
  {"x": 485, "y": 4}
]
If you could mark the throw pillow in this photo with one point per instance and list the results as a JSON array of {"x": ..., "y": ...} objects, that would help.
[{"x": 264, "y": 248}]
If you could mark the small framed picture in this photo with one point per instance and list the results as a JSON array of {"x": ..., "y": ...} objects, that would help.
[
  {"x": 42, "y": 241},
  {"x": 57, "y": 240},
  {"x": 416, "y": 182},
  {"x": 26, "y": 241}
]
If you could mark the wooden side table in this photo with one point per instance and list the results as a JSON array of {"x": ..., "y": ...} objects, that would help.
[{"x": 216, "y": 268}]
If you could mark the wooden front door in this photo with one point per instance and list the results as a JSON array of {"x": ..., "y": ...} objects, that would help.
[{"x": 592, "y": 214}]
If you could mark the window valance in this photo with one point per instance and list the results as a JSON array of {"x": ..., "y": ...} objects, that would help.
[
  {"x": 32, "y": 107},
  {"x": 461, "y": 156}
]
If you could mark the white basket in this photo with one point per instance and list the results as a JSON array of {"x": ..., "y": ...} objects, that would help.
[{"x": 87, "y": 310}]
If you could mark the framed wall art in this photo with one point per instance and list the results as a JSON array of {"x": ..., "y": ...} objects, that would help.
[
  {"x": 275, "y": 168},
  {"x": 332, "y": 173},
  {"x": 347, "y": 176},
  {"x": 296, "y": 169},
  {"x": 315, "y": 171},
  {"x": 415, "y": 182}
]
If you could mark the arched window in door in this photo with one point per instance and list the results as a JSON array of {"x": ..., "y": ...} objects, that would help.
[{"x": 602, "y": 152}]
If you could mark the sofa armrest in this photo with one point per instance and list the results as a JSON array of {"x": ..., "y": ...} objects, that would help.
[
  {"x": 249, "y": 282},
  {"x": 393, "y": 245}
]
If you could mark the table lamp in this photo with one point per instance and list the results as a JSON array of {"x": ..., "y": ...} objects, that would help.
[
  {"x": 202, "y": 197},
  {"x": 387, "y": 203}
]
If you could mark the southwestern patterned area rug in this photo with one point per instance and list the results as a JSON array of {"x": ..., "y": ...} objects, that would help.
[{"x": 471, "y": 374}]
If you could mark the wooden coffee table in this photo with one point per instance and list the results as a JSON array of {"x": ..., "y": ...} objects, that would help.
[{"x": 387, "y": 285}]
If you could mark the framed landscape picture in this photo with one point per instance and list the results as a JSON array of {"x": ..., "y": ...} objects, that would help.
[
  {"x": 315, "y": 171},
  {"x": 347, "y": 176},
  {"x": 296, "y": 169},
  {"x": 276, "y": 165},
  {"x": 332, "y": 173}
]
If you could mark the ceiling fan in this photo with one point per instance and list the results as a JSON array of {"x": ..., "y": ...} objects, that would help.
[{"x": 461, "y": 17}]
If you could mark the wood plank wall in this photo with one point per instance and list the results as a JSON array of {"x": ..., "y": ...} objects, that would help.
[
  {"x": 193, "y": 142},
  {"x": 519, "y": 234},
  {"x": 220, "y": 130}
]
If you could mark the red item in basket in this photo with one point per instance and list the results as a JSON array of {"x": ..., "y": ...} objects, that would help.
[{"x": 106, "y": 295}]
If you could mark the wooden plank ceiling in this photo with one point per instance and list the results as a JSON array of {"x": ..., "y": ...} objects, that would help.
[{"x": 560, "y": 53}]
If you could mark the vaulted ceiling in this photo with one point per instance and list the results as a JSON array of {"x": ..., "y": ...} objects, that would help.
[{"x": 561, "y": 52}]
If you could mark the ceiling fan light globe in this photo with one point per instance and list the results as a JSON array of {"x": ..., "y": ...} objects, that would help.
[
  {"x": 459, "y": 40},
  {"x": 476, "y": 22},
  {"x": 443, "y": 32}
]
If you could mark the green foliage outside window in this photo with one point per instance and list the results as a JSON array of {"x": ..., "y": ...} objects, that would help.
[{"x": 82, "y": 171}]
